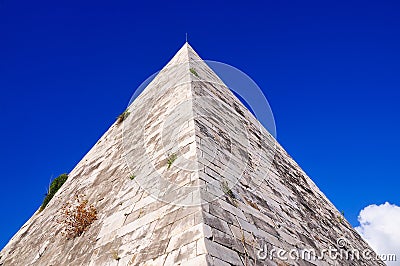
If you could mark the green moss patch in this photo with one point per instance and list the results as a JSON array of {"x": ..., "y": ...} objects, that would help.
[{"x": 54, "y": 187}]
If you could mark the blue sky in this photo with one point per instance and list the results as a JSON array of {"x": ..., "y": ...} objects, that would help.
[{"x": 330, "y": 71}]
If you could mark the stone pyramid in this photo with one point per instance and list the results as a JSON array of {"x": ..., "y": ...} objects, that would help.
[{"x": 189, "y": 178}]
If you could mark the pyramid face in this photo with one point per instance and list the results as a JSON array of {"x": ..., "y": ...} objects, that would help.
[{"x": 211, "y": 187}]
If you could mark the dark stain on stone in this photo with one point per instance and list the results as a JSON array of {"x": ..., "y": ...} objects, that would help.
[
  {"x": 226, "y": 141},
  {"x": 237, "y": 109},
  {"x": 265, "y": 226},
  {"x": 203, "y": 129}
]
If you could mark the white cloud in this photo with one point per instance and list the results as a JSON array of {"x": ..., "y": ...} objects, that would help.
[{"x": 380, "y": 227}]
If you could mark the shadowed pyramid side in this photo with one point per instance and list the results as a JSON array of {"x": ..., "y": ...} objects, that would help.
[{"x": 258, "y": 198}]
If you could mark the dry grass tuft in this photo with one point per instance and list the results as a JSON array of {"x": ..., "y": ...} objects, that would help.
[{"x": 77, "y": 216}]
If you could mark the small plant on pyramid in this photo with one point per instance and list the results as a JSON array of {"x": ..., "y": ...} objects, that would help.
[
  {"x": 171, "y": 160},
  {"x": 77, "y": 216},
  {"x": 123, "y": 116},
  {"x": 227, "y": 190},
  {"x": 53, "y": 188},
  {"x": 193, "y": 71},
  {"x": 115, "y": 255},
  {"x": 229, "y": 193},
  {"x": 132, "y": 177},
  {"x": 341, "y": 217}
]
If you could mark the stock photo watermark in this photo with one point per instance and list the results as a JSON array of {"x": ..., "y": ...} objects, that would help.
[{"x": 343, "y": 251}]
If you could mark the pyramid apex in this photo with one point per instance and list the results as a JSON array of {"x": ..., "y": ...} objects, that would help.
[
  {"x": 184, "y": 55},
  {"x": 187, "y": 46}
]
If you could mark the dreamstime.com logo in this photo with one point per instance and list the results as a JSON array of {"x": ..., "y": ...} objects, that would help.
[{"x": 343, "y": 251}]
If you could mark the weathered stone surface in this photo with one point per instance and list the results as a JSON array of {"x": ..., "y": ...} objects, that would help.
[{"x": 231, "y": 190}]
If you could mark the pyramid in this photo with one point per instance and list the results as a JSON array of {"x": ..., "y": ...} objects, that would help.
[{"x": 189, "y": 177}]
